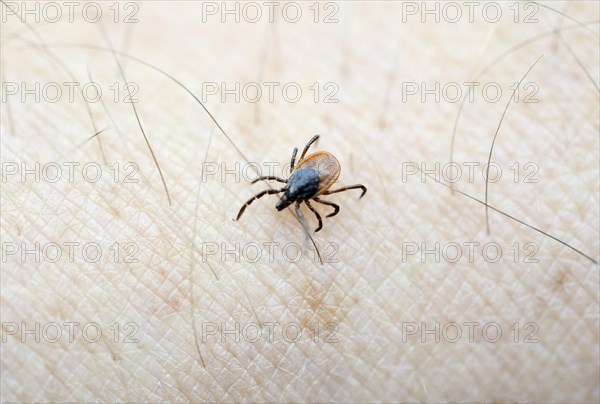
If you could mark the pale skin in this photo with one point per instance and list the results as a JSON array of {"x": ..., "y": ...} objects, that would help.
[{"x": 371, "y": 291}]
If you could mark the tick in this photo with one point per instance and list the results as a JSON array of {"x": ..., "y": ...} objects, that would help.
[{"x": 310, "y": 179}]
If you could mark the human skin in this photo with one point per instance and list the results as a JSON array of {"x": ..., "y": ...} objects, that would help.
[{"x": 371, "y": 290}]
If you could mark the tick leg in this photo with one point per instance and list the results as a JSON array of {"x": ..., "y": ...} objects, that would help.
[
  {"x": 255, "y": 197},
  {"x": 358, "y": 186},
  {"x": 335, "y": 207},
  {"x": 268, "y": 177},
  {"x": 310, "y": 142},
  {"x": 293, "y": 162},
  {"x": 316, "y": 214}
]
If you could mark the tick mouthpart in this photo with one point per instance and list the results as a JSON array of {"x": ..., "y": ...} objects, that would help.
[{"x": 283, "y": 203}]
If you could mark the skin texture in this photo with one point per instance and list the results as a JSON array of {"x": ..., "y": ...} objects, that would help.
[{"x": 373, "y": 293}]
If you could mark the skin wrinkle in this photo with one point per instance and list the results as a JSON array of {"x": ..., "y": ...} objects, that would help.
[{"x": 359, "y": 228}]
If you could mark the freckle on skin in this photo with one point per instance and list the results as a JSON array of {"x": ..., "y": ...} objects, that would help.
[
  {"x": 326, "y": 305},
  {"x": 560, "y": 279},
  {"x": 115, "y": 211}
]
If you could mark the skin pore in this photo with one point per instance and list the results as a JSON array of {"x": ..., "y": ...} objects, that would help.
[{"x": 176, "y": 283}]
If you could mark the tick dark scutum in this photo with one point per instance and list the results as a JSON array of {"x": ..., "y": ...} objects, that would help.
[
  {"x": 303, "y": 184},
  {"x": 311, "y": 178}
]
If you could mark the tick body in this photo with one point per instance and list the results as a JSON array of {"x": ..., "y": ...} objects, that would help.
[{"x": 311, "y": 178}]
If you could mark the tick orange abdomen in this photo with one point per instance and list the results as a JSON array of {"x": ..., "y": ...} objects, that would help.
[{"x": 326, "y": 165}]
